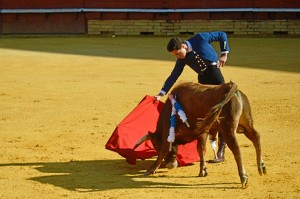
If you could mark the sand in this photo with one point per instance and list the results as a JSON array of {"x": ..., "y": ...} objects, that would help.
[{"x": 62, "y": 97}]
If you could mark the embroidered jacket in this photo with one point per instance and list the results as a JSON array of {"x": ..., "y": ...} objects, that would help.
[{"x": 202, "y": 55}]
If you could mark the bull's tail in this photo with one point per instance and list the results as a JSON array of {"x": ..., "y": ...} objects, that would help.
[{"x": 203, "y": 125}]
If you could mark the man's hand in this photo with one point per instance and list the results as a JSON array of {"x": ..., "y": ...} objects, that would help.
[
  {"x": 158, "y": 96},
  {"x": 222, "y": 60}
]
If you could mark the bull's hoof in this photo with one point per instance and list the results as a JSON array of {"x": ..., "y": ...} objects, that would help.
[
  {"x": 147, "y": 173},
  {"x": 262, "y": 169},
  {"x": 244, "y": 181},
  {"x": 203, "y": 173},
  {"x": 172, "y": 165}
]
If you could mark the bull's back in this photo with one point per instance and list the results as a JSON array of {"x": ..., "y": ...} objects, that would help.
[{"x": 198, "y": 99}]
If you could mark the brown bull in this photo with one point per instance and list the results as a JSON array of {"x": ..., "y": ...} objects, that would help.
[{"x": 209, "y": 109}]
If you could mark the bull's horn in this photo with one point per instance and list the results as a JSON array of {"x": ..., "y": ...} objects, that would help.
[{"x": 143, "y": 139}]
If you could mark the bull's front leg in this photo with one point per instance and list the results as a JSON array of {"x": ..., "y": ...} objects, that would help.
[
  {"x": 201, "y": 146},
  {"x": 161, "y": 155}
]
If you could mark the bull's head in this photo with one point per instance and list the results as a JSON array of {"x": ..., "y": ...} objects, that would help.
[{"x": 170, "y": 159}]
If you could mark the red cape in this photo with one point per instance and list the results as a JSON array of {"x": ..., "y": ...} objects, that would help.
[{"x": 138, "y": 123}]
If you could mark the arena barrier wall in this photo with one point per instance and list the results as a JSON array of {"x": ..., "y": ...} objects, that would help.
[{"x": 92, "y": 16}]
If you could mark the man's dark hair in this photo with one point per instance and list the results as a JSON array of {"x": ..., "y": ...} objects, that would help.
[{"x": 174, "y": 44}]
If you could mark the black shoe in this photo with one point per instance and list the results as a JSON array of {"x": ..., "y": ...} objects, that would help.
[{"x": 216, "y": 160}]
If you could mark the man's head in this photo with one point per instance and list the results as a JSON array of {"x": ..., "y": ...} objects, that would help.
[{"x": 177, "y": 47}]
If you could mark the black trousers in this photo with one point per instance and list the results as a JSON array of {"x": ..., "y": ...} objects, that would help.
[{"x": 212, "y": 75}]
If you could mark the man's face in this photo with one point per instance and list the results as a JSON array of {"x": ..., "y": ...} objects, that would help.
[{"x": 180, "y": 54}]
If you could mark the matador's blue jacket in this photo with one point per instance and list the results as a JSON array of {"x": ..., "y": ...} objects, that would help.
[{"x": 201, "y": 44}]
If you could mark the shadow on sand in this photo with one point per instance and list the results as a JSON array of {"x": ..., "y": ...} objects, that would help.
[
  {"x": 100, "y": 175},
  {"x": 280, "y": 54}
]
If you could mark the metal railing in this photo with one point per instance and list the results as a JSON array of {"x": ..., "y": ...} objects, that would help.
[{"x": 80, "y": 10}]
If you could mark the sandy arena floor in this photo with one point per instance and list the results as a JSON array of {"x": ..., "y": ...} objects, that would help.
[{"x": 61, "y": 98}]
